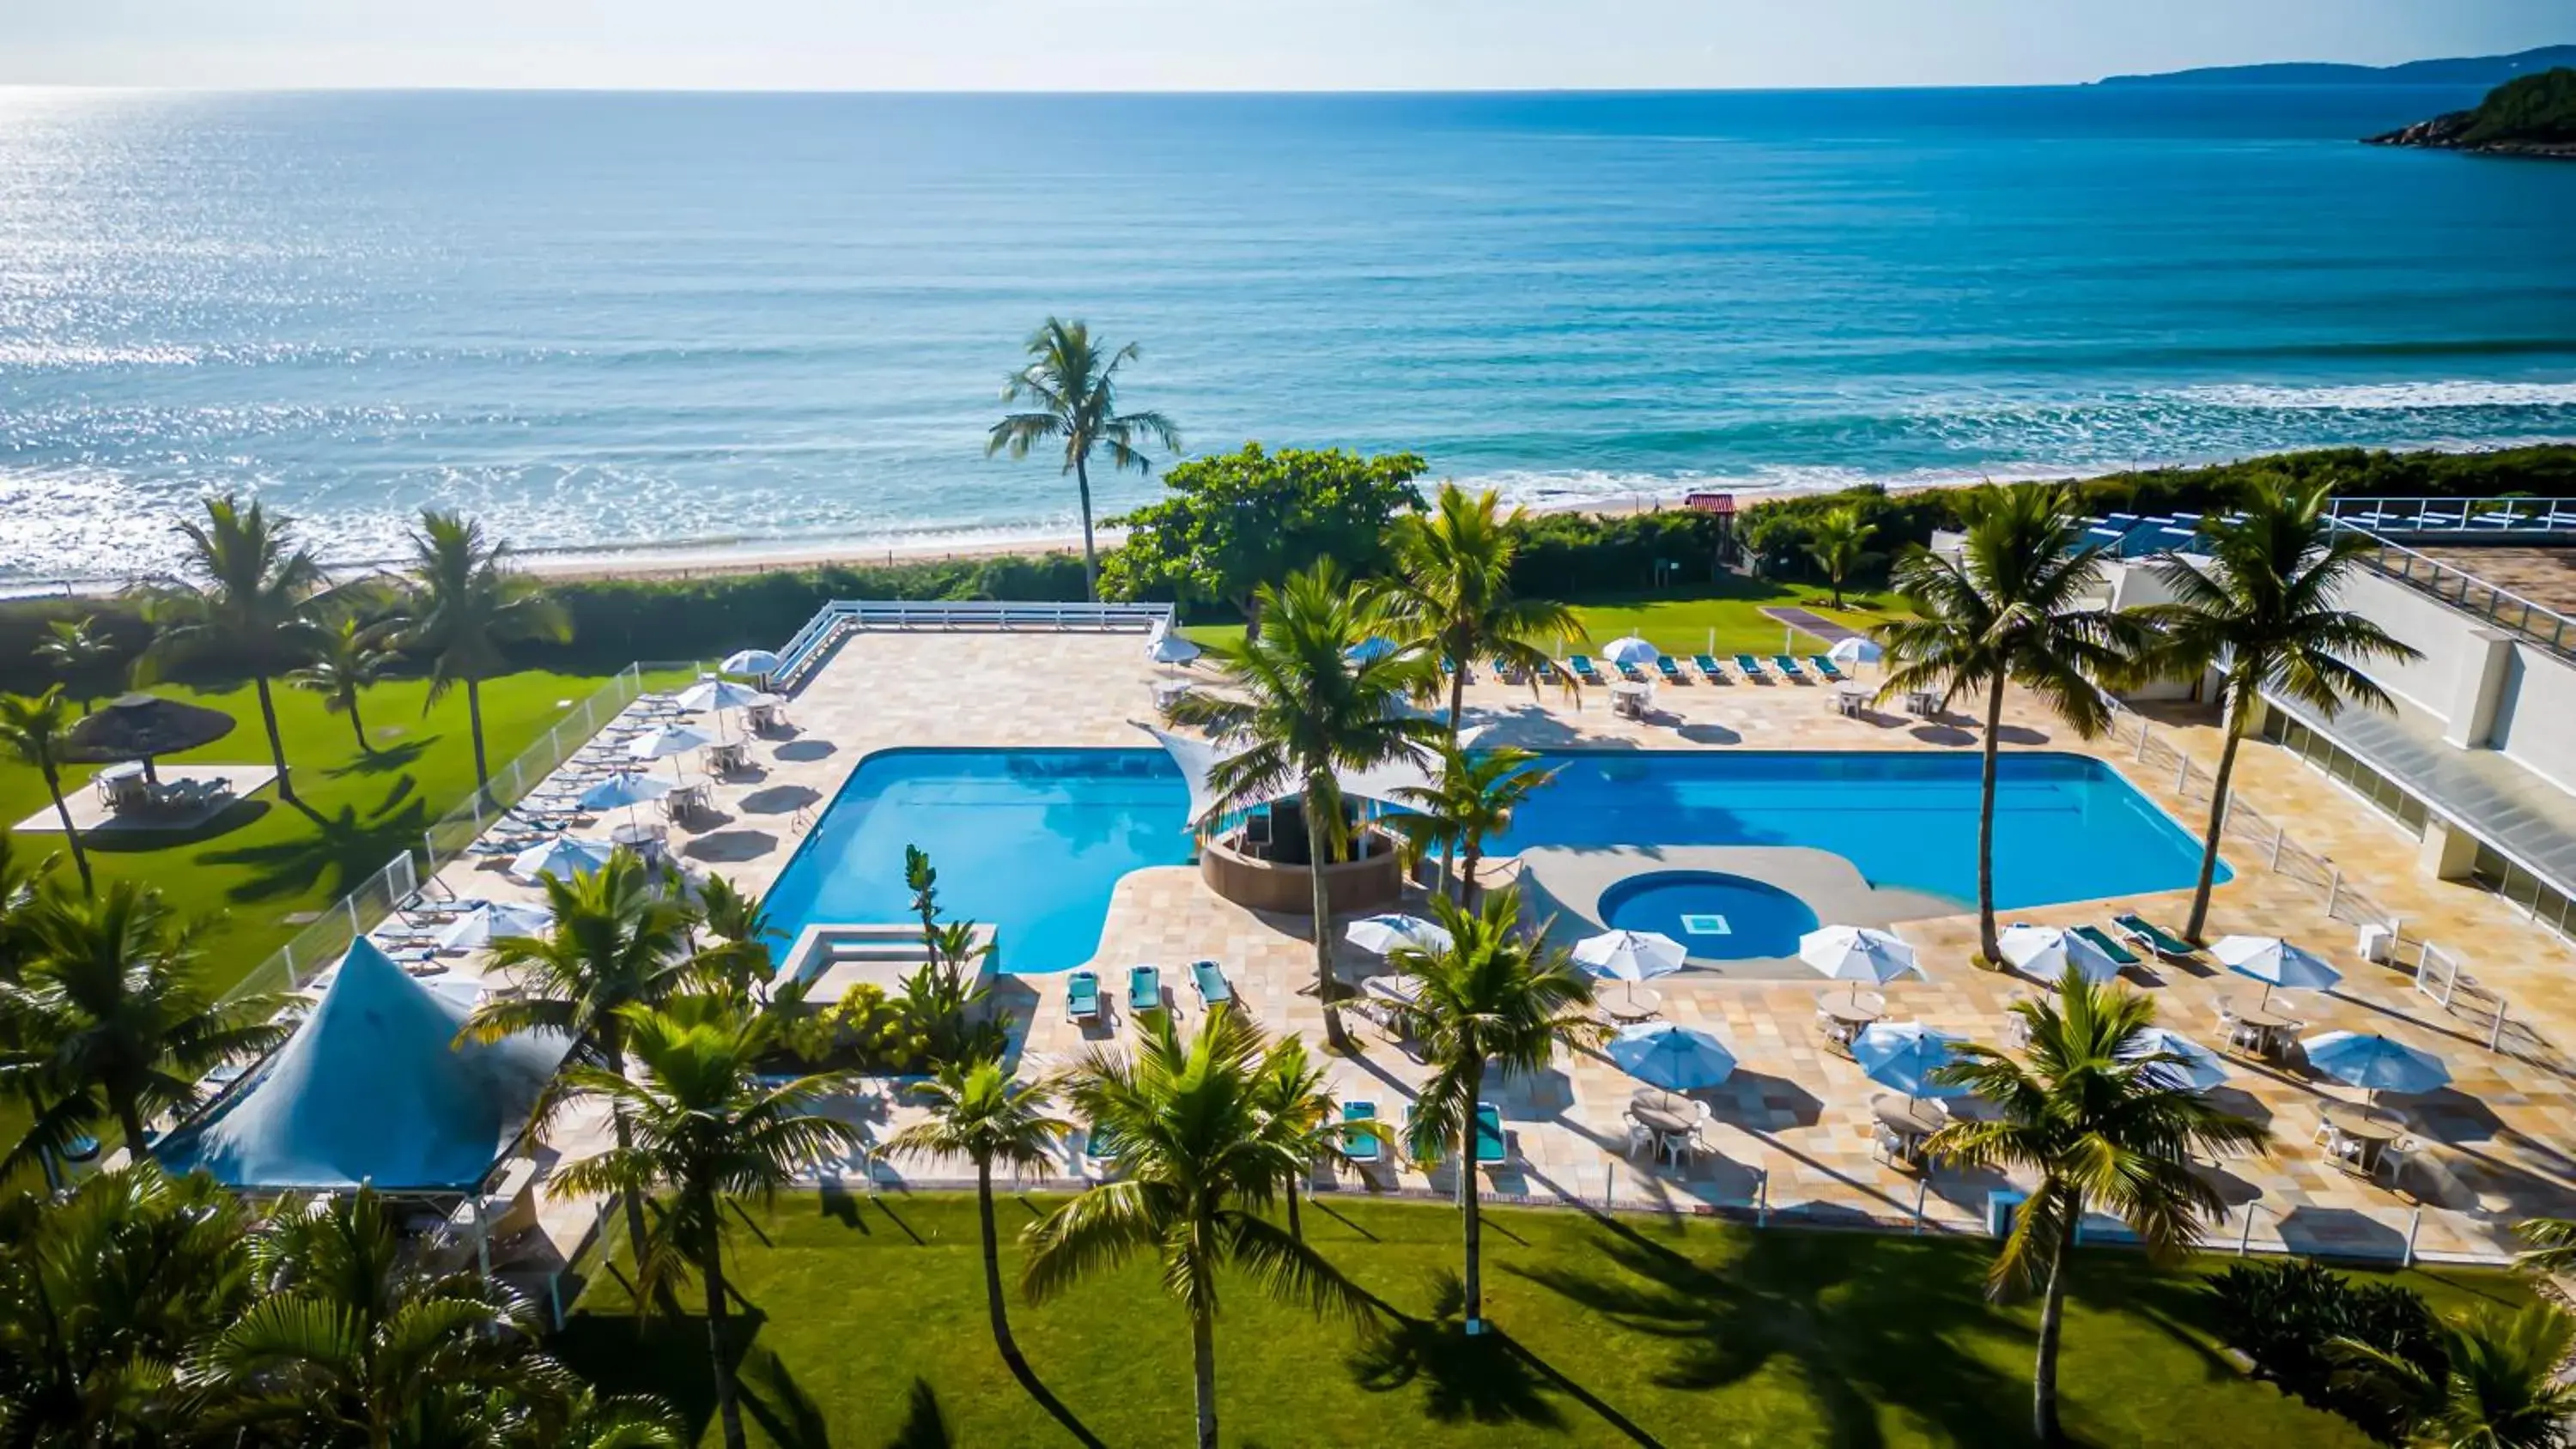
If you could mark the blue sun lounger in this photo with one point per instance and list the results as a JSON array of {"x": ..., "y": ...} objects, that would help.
[
  {"x": 1144, "y": 988},
  {"x": 2120, "y": 955},
  {"x": 1709, "y": 666},
  {"x": 1581, "y": 664},
  {"x": 1363, "y": 1141},
  {"x": 1749, "y": 667},
  {"x": 1492, "y": 1147},
  {"x": 1788, "y": 666},
  {"x": 1825, "y": 666},
  {"x": 1672, "y": 672},
  {"x": 1208, "y": 979},
  {"x": 1082, "y": 996}
]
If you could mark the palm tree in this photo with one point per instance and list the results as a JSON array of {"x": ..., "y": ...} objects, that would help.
[
  {"x": 76, "y": 649},
  {"x": 2261, "y": 609},
  {"x": 347, "y": 658},
  {"x": 251, "y": 605},
  {"x": 1838, "y": 542},
  {"x": 36, "y": 732},
  {"x": 2009, "y": 609},
  {"x": 2102, "y": 1122},
  {"x": 1310, "y": 710},
  {"x": 112, "y": 1017},
  {"x": 1452, "y": 592},
  {"x": 1294, "y": 1092},
  {"x": 619, "y": 938},
  {"x": 2503, "y": 1387},
  {"x": 1073, "y": 393},
  {"x": 355, "y": 1340},
  {"x": 1496, "y": 998},
  {"x": 1470, "y": 802},
  {"x": 1199, "y": 1162},
  {"x": 2553, "y": 1245},
  {"x": 707, "y": 1128},
  {"x": 738, "y": 922},
  {"x": 467, "y": 603},
  {"x": 978, "y": 1113}
]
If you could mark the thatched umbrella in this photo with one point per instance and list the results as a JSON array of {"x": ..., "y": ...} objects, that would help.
[{"x": 140, "y": 726}]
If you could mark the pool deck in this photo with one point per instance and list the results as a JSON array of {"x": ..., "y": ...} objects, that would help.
[{"x": 1792, "y": 1129}]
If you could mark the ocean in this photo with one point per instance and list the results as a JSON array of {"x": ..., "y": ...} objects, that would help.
[{"x": 684, "y": 321}]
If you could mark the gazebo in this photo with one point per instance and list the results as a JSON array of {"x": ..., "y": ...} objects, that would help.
[{"x": 141, "y": 726}]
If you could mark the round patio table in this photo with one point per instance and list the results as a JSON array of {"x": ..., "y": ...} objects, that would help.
[
  {"x": 1906, "y": 1116},
  {"x": 1399, "y": 990},
  {"x": 1664, "y": 1111},
  {"x": 2267, "y": 1026},
  {"x": 1846, "y": 1014},
  {"x": 2368, "y": 1130},
  {"x": 1637, "y": 1003}
]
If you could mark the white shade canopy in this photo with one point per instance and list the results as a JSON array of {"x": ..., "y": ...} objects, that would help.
[
  {"x": 751, "y": 661},
  {"x": 1630, "y": 955},
  {"x": 2274, "y": 962},
  {"x": 1384, "y": 933},
  {"x": 1857, "y": 953},
  {"x": 717, "y": 693},
  {"x": 664, "y": 741},
  {"x": 563, "y": 857},
  {"x": 2046, "y": 952},
  {"x": 1675, "y": 1058},
  {"x": 1630, "y": 650},
  {"x": 1198, "y": 758},
  {"x": 1855, "y": 650},
  {"x": 501, "y": 918}
]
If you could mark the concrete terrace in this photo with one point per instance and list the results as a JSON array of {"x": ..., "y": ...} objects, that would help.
[{"x": 1792, "y": 1129}]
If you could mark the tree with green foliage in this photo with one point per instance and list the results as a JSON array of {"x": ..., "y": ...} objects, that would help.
[
  {"x": 2261, "y": 608},
  {"x": 2009, "y": 609},
  {"x": 1070, "y": 389},
  {"x": 738, "y": 929},
  {"x": 467, "y": 605},
  {"x": 36, "y": 732},
  {"x": 77, "y": 650},
  {"x": 1451, "y": 593},
  {"x": 708, "y": 1129},
  {"x": 1305, "y": 709},
  {"x": 1297, "y": 1095},
  {"x": 1496, "y": 999},
  {"x": 1235, "y": 523},
  {"x": 2502, "y": 1384},
  {"x": 1470, "y": 801},
  {"x": 2539, "y": 108},
  {"x": 978, "y": 1113},
  {"x": 1199, "y": 1163},
  {"x": 249, "y": 605},
  {"x": 2101, "y": 1120},
  {"x": 349, "y": 658},
  {"x": 1839, "y": 543}
]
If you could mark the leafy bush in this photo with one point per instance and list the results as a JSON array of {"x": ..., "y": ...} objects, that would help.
[
  {"x": 2285, "y": 1316},
  {"x": 2538, "y": 107}
]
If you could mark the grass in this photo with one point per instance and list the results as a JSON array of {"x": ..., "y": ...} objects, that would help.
[
  {"x": 264, "y": 866},
  {"x": 1681, "y": 624},
  {"x": 866, "y": 1328}
]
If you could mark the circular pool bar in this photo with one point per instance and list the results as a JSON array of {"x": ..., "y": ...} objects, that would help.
[{"x": 1716, "y": 916}]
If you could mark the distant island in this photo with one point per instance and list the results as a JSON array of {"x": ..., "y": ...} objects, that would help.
[
  {"x": 2532, "y": 116},
  {"x": 2475, "y": 70}
]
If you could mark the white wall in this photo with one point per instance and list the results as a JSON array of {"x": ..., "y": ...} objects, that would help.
[
  {"x": 2535, "y": 720},
  {"x": 2440, "y": 632}
]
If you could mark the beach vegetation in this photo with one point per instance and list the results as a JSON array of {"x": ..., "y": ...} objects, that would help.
[
  {"x": 1233, "y": 523},
  {"x": 1450, "y": 592},
  {"x": 247, "y": 602},
  {"x": 1068, "y": 394},
  {"x": 1839, "y": 544},
  {"x": 36, "y": 733},
  {"x": 1470, "y": 801},
  {"x": 466, "y": 606},
  {"x": 77, "y": 650},
  {"x": 2540, "y": 107},
  {"x": 2296, "y": 1320},
  {"x": 350, "y": 657}
]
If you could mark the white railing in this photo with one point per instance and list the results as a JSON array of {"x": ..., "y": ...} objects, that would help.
[
  {"x": 2478, "y": 517},
  {"x": 844, "y": 616},
  {"x": 2463, "y": 590}
]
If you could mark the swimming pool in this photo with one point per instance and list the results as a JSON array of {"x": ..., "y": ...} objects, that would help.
[{"x": 1033, "y": 842}]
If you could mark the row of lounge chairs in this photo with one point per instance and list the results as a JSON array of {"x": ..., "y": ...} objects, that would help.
[
  {"x": 1082, "y": 999},
  {"x": 1748, "y": 667},
  {"x": 1365, "y": 1144}
]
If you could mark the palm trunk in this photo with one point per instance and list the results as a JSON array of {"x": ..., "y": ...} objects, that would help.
[
  {"x": 728, "y": 1407},
  {"x": 1457, "y": 699},
  {"x": 1296, "y": 1229},
  {"x": 1469, "y": 862},
  {"x": 2236, "y": 715},
  {"x": 1316, "y": 840},
  {"x": 71, "y": 834},
  {"x": 1470, "y": 1207},
  {"x": 276, "y": 742},
  {"x": 1203, "y": 1373},
  {"x": 1986, "y": 942},
  {"x": 993, "y": 1301},
  {"x": 613, "y": 1055},
  {"x": 358, "y": 726},
  {"x": 2052, "y": 1311},
  {"x": 474, "y": 726},
  {"x": 1090, "y": 554},
  {"x": 129, "y": 1119}
]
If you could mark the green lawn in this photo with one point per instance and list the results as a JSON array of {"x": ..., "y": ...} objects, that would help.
[
  {"x": 1681, "y": 623},
  {"x": 264, "y": 863},
  {"x": 868, "y": 1330}
]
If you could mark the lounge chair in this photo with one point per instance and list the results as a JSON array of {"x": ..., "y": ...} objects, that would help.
[
  {"x": 1631, "y": 672},
  {"x": 1788, "y": 666},
  {"x": 1144, "y": 989},
  {"x": 1749, "y": 667},
  {"x": 1208, "y": 979},
  {"x": 1082, "y": 996},
  {"x": 1493, "y": 1147},
  {"x": 1826, "y": 666},
  {"x": 1363, "y": 1141},
  {"x": 2120, "y": 955},
  {"x": 1547, "y": 671},
  {"x": 1504, "y": 671},
  {"x": 1581, "y": 664},
  {"x": 1099, "y": 1152},
  {"x": 1672, "y": 672},
  {"x": 2153, "y": 937},
  {"x": 1709, "y": 666}
]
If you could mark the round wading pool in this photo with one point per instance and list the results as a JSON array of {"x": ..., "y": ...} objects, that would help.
[{"x": 1717, "y": 916}]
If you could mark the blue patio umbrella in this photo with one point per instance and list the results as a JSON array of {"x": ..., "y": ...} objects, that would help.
[
  {"x": 2198, "y": 1071},
  {"x": 1370, "y": 649},
  {"x": 2374, "y": 1063},
  {"x": 1904, "y": 1055},
  {"x": 1630, "y": 650},
  {"x": 627, "y": 788},
  {"x": 561, "y": 856},
  {"x": 2274, "y": 962},
  {"x": 501, "y": 918},
  {"x": 1676, "y": 1058}
]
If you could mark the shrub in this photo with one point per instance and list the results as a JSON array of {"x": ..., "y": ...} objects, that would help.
[{"x": 2285, "y": 1316}]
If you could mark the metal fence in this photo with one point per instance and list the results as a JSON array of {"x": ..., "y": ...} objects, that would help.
[
  {"x": 836, "y": 620},
  {"x": 2463, "y": 590}
]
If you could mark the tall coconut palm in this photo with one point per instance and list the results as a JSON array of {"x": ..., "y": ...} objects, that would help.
[
  {"x": 2553, "y": 1245},
  {"x": 1199, "y": 1161},
  {"x": 76, "y": 649},
  {"x": 707, "y": 1129},
  {"x": 1296, "y": 1094},
  {"x": 2010, "y": 609},
  {"x": 1070, "y": 386},
  {"x": 348, "y": 659},
  {"x": 1839, "y": 543},
  {"x": 2103, "y": 1123},
  {"x": 2262, "y": 609},
  {"x": 1468, "y": 803},
  {"x": 35, "y": 732},
  {"x": 467, "y": 604},
  {"x": 1496, "y": 1000},
  {"x": 619, "y": 938},
  {"x": 1306, "y": 710},
  {"x": 978, "y": 1113},
  {"x": 248, "y": 604},
  {"x": 112, "y": 1017},
  {"x": 2503, "y": 1385},
  {"x": 1452, "y": 592}
]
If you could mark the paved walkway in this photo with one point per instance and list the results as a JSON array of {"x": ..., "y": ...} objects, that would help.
[{"x": 1807, "y": 621}]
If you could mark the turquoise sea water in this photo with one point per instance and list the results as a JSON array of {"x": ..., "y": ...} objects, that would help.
[
  {"x": 632, "y": 319},
  {"x": 1033, "y": 841}
]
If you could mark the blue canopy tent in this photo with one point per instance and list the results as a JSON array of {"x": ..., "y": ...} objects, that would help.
[{"x": 372, "y": 1088}]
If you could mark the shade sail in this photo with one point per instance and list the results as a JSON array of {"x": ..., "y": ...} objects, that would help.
[
  {"x": 372, "y": 1089},
  {"x": 1199, "y": 758},
  {"x": 141, "y": 726}
]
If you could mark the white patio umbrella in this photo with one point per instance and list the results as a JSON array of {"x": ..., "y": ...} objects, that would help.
[
  {"x": 2274, "y": 962},
  {"x": 2046, "y": 952},
  {"x": 1857, "y": 954},
  {"x": 1631, "y": 650},
  {"x": 1630, "y": 956},
  {"x": 628, "y": 788},
  {"x": 501, "y": 918},
  {"x": 1855, "y": 651},
  {"x": 2198, "y": 1071},
  {"x": 719, "y": 694},
  {"x": 1171, "y": 649},
  {"x": 759, "y": 662},
  {"x": 561, "y": 856},
  {"x": 1675, "y": 1058},
  {"x": 1385, "y": 933},
  {"x": 2374, "y": 1063},
  {"x": 668, "y": 742}
]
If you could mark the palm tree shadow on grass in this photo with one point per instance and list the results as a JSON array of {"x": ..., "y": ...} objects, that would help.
[
  {"x": 1480, "y": 1380},
  {"x": 385, "y": 761},
  {"x": 790, "y": 1416},
  {"x": 342, "y": 849}
]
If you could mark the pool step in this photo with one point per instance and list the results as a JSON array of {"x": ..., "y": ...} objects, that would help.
[{"x": 879, "y": 951}]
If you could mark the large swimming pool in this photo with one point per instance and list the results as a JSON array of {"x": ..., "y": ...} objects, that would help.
[{"x": 1033, "y": 841}]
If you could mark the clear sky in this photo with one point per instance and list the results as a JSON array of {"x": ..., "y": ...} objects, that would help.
[{"x": 1219, "y": 44}]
